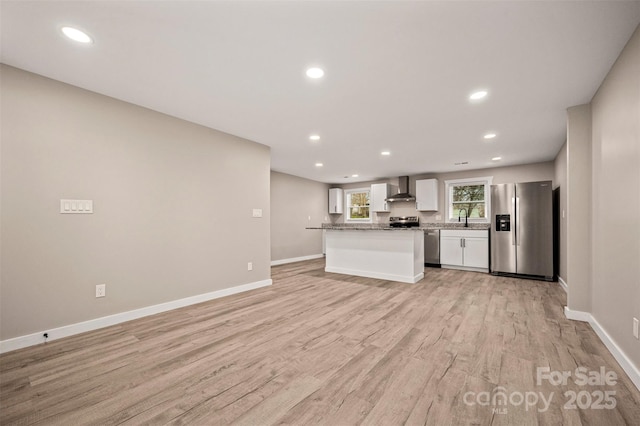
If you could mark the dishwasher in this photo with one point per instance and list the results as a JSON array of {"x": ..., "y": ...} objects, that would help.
[{"x": 432, "y": 248}]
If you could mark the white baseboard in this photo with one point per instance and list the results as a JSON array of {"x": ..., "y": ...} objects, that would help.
[
  {"x": 577, "y": 315},
  {"x": 377, "y": 275},
  {"x": 563, "y": 284},
  {"x": 295, "y": 259},
  {"x": 94, "y": 324},
  {"x": 465, "y": 268},
  {"x": 624, "y": 361}
]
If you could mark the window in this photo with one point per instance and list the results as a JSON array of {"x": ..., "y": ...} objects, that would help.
[
  {"x": 470, "y": 197},
  {"x": 357, "y": 201}
]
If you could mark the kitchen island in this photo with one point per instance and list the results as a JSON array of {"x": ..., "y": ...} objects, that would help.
[{"x": 395, "y": 254}]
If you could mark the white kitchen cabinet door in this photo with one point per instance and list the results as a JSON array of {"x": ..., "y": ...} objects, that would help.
[
  {"x": 476, "y": 252},
  {"x": 451, "y": 251},
  {"x": 427, "y": 195},
  {"x": 336, "y": 201},
  {"x": 379, "y": 194},
  {"x": 465, "y": 248}
]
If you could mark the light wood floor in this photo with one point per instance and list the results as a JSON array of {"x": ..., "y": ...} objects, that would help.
[{"x": 319, "y": 348}]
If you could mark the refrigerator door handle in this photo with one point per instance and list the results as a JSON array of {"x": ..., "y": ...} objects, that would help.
[
  {"x": 518, "y": 221},
  {"x": 513, "y": 228}
]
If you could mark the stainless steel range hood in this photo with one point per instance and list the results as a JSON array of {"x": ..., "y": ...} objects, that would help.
[{"x": 403, "y": 191}]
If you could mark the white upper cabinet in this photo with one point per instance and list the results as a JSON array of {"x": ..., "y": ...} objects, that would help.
[
  {"x": 336, "y": 200},
  {"x": 379, "y": 194},
  {"x": 427, "y": 195}
]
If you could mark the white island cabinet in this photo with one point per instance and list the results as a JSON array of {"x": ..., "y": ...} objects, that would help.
[
  {"x": 465, "y": 249},
  {"x": 336, "y": 200},
  {"x": 378, "y": 199},
  {"x": 395, "y": 255}
]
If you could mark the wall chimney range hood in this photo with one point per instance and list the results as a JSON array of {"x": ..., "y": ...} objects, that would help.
[{"x": 403, "y": 191}]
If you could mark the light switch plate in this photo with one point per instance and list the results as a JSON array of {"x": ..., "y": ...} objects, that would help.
[
  {"x": 257, "y": 212},
  {"x": 76, "y": 206},
  {"x": 635, "y": 328}
]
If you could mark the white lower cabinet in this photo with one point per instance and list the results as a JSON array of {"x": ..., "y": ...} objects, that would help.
[
  {"x": 450, "y": 250},
  {"x": 465, "y": 249},
  {"x": 476, "y": 252}
]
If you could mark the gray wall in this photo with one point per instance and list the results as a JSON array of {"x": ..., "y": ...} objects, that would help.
[
  {"x": 296, "y": 203},
  {"x": 164, "y": 227},
  {"x": 616, "y": 199},
  {"x": 560, "y": 187},
  {"x": 520, "y": 173},
  {"x": 579, "y": 177}
]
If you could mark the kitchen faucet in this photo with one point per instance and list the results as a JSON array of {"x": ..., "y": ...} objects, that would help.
[{"x": 466, "y": 217}]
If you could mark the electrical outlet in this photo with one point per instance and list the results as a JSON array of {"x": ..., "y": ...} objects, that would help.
[
  {"x": 101, "y": 290},
  {"x": 635, "y": 328},
  {"x": 250, "y": 266}
]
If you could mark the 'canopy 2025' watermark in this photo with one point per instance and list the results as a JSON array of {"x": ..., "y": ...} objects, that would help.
[{"x": 595, "y": 399}]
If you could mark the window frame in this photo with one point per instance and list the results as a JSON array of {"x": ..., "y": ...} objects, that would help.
[
  {"x": 347, "y": 204},
  {"x": 449, "y": 184}
]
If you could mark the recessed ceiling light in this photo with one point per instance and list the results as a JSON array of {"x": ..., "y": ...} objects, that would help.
[
  {"x": 76, "y": 35},
  {"x": 385, "y": 153},
  {"x": 319, "y": 164},
  {"x": 315, "y": 73},
  {"x": 354, "y": 175},
  {"x": 496, "y": 159},
  {"x": 480, "y": 94},
  {"x": 314, "y": 137},
  {"x": 490, "y": 136}
]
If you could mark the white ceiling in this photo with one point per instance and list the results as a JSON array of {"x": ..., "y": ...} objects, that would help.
[{"x": 398, "y": 74}]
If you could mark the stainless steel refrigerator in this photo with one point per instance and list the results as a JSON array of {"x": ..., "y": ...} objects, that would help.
[{"x": 522, "y": 229}]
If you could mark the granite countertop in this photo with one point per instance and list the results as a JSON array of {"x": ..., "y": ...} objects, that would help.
[
  {"x": 455, "y": 225},
  {"x": 385, "y": 227},
  {"x": 363, "y": 227}
]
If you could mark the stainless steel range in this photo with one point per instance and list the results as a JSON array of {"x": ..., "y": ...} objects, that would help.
[{"x": 404, "y": 222}]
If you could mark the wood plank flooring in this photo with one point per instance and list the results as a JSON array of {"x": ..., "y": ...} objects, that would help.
[{"x": 320, "y": 348}]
